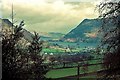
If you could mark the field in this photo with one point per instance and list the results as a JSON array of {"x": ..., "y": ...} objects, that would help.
[
  {"x": 58, "y": 73},
  {"x": 64, "y": 72}
]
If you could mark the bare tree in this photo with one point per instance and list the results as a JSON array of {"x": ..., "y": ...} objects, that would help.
[{"x": 110, "y": 14}]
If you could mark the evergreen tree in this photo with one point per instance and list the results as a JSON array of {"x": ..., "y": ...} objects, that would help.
[
  {"x": 34, "y": 49},
  {"x": 21, "y": 63},
  {"x": 11, "y": 54}
]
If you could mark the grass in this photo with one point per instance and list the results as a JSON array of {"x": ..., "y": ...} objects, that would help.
[
  {"x": 75, "y": 64},
  {"x": 70, "y": 71},
  {"x": 88, "y": 78},
  {"x": 61, "y": 73},
  {"x": 52, "y": 50},
  {"x": 58, "y": 50}
]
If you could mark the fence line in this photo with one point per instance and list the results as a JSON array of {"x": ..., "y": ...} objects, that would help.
[
  {"x": 78, "y": 68},
  {"x": 84, "y": 74},
  {"x": 80, "y": 63}
]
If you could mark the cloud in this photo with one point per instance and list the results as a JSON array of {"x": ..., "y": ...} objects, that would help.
[{"x": 50, "y": 16}]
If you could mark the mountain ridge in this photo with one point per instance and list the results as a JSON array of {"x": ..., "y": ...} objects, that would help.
[
  {"x": 85, "y": 31},
  {"x": 27, "y": 35}
]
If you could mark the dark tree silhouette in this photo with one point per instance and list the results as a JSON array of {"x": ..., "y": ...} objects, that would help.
[
  {"x": 34, "y": 49},
  {"x": 10, "y": 53},
  {"x": 110, "y": 14},
  {"x": 19, "y": 63}
]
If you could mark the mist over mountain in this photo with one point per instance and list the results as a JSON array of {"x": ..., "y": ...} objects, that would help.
[{"x": 86, "y": 31}]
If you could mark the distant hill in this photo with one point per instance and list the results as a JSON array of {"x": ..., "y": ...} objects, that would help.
[
  {"x": 51, "y": 36},
  {"x": 27, "y": 35},
  {"x": 56, "y": 35},
  {"x": 86, "y": 31}
]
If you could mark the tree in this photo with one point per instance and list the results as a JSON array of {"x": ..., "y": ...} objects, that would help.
[
  {"x": 10, "y": 54},
  {"x": 21, "y": 63},
  {"x": 110, "y": 14},
  {"x": 34, "y": 49}
]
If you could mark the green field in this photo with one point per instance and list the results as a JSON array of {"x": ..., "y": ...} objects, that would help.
[
  {"x": 75, "y": 64},
  {"x": 52, "y": 50},
  {"x": 71, "y": 71},
  {"x": 58, "y": 73}
]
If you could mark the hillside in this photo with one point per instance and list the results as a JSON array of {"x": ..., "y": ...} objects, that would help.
[
  {"x": 51, "y": 36},
  {"x": 7, "y": 24},
  {"x": 87, "y": 31}
]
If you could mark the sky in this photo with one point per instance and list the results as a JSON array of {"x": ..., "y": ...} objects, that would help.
[{"x": 50, "y": 15}]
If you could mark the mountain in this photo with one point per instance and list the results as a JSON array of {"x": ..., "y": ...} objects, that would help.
[
  {"x": 56, "y": 34},
  {"x": 7, "y": 24},
  {"x": 51, "y": 36},
  {"x": 28, "y": 35},
  {"x": 87, "y": 31}
]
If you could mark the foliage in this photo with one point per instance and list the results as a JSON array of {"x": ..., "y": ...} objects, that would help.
[
  {"x": 10, "y": 54},
  {"x": 19, "y": 63},
  {"x": 110, "y": 13},
  {"x": 36, "y": 58}
]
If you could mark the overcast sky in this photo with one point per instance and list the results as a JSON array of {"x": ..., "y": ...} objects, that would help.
[{"x": 51, "y": 15}]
